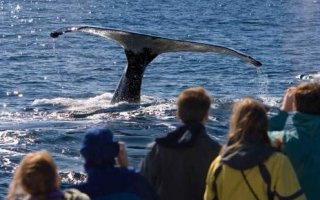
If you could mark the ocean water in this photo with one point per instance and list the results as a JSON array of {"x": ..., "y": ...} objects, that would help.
[{"x": 48, "y": 84}]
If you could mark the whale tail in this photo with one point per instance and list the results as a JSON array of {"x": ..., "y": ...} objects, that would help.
[
  {"x": 141, "y": 49},
  {"x": 137, "y": 42}
]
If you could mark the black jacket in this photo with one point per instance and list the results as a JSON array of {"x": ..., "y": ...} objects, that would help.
[{"x": 177, "y": 164}]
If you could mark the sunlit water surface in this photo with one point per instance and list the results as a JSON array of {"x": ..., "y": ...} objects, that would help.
[{"x": 53, "y": 90}]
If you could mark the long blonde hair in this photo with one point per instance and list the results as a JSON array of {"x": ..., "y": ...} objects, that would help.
[
  {"x": 249, "y": 123},
  {"x": 36, "y": 175}
]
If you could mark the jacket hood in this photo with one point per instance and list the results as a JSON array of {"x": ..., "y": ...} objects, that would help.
[
  {"x": 246, "y": 156},
  {"x": 307, "y": 124},
  {"x": 183, "y": 137}
]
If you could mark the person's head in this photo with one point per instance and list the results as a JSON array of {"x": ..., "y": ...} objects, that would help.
[
  {"x": 98, "y": 148},
  {"x": 36, "y": 175},
  {"x": 193, "y": 105},
  {"x": 249, "y": 123},
  {"x": 307, "y": 98}
]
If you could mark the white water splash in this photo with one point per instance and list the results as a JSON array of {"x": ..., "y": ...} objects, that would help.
[
  {"x": 263, "y": 83},
  {"x": 314, "y": 77},
  {"x": 8, "y": 138},
  {"x": 86, "y": 104},
  {"x": 271, "y": 101}
]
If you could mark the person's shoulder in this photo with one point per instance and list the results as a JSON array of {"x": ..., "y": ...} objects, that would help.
[
  {"x": 278, "y": 156},
  {"x": 126, "y": 171},
  {"x": 277, "y": 160},
  {"x": 157, "y": 149},
  {"x": 215, "y": 164},
  {"x": 209, "y": 140},
  {"x": 217, "y": 160},
  {"x": 74, "y": 194},
  {"x": 136, "y": 178},
  {"x": 154, "y": 148}
]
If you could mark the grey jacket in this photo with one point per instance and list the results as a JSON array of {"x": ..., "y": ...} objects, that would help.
[{"x": 179, "y": 172}]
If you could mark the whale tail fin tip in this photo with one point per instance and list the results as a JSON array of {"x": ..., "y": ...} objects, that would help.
[
  {"x": 256, "y": 63},
  {"x": 55, "y": 34},
  {"x": 61, "y": 31}
]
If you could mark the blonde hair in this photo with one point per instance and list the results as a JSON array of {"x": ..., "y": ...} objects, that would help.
[
  {"x": 36, "y": 175},
  {"x": 248, "y": 123},
  {"x": 193, "y": 105}
]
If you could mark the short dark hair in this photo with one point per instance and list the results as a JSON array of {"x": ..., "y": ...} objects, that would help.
[
  {"x": 193, "y": 105},
  {"x": 307, "y": 98}
]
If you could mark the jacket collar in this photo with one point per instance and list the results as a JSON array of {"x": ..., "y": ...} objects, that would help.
[
  {"x": 246, "y": 156},
  {"x": 184, "y": 136}
]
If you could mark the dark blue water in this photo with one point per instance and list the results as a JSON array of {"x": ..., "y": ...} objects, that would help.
[{"x": 45, "y": 81}]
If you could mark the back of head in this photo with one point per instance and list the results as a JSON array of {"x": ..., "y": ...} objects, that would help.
[
  {"x": 307, "y": 98},
  {"x": 249, "y": 123},
  {"x": 98, "y": 148},
  {"x": 193, "y": 105},
  {"x": 36, "y": 175}
]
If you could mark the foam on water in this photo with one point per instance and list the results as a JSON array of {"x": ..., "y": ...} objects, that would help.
[
  {"x": 85, "y": 104},
  {"x": 51, "y": 92},
  {"x": 8, "y": 139},
  {"x": 312, "y": 77}
]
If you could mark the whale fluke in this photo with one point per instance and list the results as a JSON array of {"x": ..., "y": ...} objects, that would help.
[{"x": 141, "y": 49}]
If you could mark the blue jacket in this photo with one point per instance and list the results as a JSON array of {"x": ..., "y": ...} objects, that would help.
[
  {"x": 302, "y": 145},
  {"x": 116, "y": 183}
]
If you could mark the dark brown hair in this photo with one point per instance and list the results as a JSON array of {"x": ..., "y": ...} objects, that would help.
[
  {"x": 307, "y": 98},
  {"x": 249, "y": 123},
  {"x": 193, "y": 105}
]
